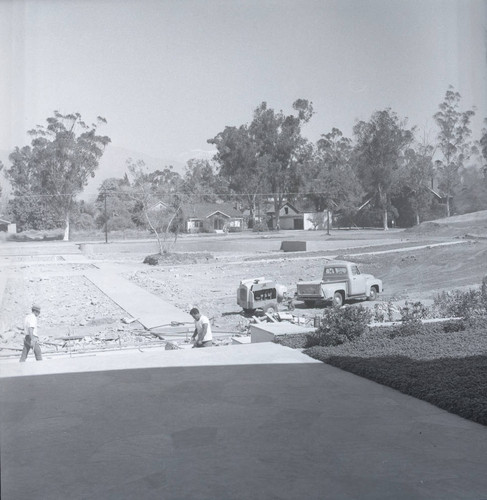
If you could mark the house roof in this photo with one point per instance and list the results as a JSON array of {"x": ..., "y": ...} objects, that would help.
[
  {"x": 4, "y": 221},
  {"x": 204, "y": 210},
  {"x": 288, "y": 204},
  {"x": 158, "y": 206}
]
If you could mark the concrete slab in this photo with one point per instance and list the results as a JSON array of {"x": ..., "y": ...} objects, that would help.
[
  {"x": 153, "y": 358},
  {"x": 149, "y": 309},
  {"x": 268, "y": 332},
  {"x": 258, "y": 431}
]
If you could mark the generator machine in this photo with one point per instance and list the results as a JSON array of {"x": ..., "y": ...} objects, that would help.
[{"x": 260, "y": 294}]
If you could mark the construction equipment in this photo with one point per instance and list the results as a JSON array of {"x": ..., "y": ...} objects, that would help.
[{"x": 260, "y": 294}]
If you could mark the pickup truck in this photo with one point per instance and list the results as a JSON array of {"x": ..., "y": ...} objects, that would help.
[{"x": 341, "y": 281}]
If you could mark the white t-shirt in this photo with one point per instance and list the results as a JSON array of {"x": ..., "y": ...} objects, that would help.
[
  {"x": 199, "y": 327},
  {"x": 30, "y": 322}
]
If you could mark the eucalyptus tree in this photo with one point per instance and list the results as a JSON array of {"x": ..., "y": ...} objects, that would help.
[
  {"x": 416, "y": 179},
  {"x": 114, "y": 205},
  {"x": 238, "y": 159},
  {"x": 483, "y": 148},
  {"x": 378, "y": 155},
  {"x": 282, "y": 150},
  {"x": 201, "y": 182},
  {"x": 329, "y": 179},
  {"x": 56, "y": 167},
  {"x": 453, "y": 142}
]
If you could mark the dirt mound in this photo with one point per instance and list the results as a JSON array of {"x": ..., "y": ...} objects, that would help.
[
  {"x": 457, "y": 225},
  {"x": 33, "y": 235},
  {"x": 429, "y": 227},
  {"x": 177, "y": 258}
]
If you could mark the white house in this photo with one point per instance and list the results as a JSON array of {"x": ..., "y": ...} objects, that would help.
[{"x": 7, "y": 226}]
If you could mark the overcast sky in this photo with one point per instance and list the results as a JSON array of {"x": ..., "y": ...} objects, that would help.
[{"x": 170, "y": 74}]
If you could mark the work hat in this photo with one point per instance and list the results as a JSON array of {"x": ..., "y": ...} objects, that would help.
[{"x": 37, "y": 308}]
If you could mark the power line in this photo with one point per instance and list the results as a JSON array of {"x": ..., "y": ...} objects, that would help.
[{"x": 117, "y": 193}]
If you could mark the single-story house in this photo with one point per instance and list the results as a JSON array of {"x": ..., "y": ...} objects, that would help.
[
  {"x": 7, "y": 226},
  {"x": 212, "y": 217},
  {"x": 291, "y": 217}
]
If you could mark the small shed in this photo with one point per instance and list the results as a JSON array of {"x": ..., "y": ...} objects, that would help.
[{"x": 7, "y": 226}]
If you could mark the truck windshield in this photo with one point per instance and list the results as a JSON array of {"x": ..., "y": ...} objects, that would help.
[{"x": 330, "y": 272}]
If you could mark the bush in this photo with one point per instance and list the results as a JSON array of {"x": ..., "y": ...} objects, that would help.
[
  {"x": 340, "y": 325},
  {"x": 384, "y": 312},
  {"x": 84, "y": 222},
  {"x": 413, "y": 312},
  {"x": 260, "y": 227},
  {"x": 462, "y": 304},
  {"x": 33, "y": 235},
  {"x": 483, "y": 292}
]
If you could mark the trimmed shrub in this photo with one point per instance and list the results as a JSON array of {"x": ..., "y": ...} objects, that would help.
[{"x": 340, "y": 325}]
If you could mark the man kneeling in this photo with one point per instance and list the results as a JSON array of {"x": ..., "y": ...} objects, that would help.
[{"x": 202, "y": 329}]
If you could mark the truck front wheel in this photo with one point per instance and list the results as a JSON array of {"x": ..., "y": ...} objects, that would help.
[
  {"x": 338, "y": 299},
  {"x": 373, "y": 293}
]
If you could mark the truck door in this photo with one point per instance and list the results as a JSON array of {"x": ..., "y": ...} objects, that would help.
[{"x": 357, "y": 281}]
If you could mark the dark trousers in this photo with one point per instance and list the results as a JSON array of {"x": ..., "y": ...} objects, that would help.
[
  {"x": 31, "y": 343},
  {"x": 207, "y": 343}
]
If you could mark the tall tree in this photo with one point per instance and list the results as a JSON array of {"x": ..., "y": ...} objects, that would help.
[
  {"x": 416, "y": 179},
  {"x": 57, "y": 165},
  {"x": 330, "y": 182},
  {"x": 238, "y": 159},
  {"x": 114, "y": 204},
  {"x": 472, "y": 193},
  {"x": 483, "y": 148},
  {"x": 281, "y": 148},
  {"x": 378, "y": 155},
  {"x": 453, "y": 142},
  {"x": 201, "y": 182}
]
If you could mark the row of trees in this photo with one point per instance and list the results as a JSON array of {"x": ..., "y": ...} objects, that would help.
[{"x": 385, "y": 165}]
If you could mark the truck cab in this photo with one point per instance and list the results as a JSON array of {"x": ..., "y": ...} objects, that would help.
[{"x": 341, "y": 280}]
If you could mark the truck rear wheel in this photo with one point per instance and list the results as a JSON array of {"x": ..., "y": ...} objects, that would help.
[
  {"x": 338, "y": 299},
  {"x": 373, "y": 293}
]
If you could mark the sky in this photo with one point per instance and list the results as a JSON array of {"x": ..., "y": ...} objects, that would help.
[{"x": 169, "y": 74}]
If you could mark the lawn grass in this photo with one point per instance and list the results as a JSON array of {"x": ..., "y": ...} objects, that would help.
[{"x": 448, "y": 370}]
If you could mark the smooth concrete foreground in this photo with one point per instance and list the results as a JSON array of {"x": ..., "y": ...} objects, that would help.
[{"x": 279, "y": 430}]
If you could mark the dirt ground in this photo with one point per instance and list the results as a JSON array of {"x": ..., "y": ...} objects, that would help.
[{"x": 77, "y": 316}]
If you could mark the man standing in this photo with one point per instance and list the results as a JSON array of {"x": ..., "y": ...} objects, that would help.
[
  {"x": 31, "y": 339},
  {"x": 202, "y": 329}
]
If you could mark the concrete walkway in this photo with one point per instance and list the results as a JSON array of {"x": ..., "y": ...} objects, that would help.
[
  {"x": 149, "y": 309},
  {"x": 252, "y": 422}
]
